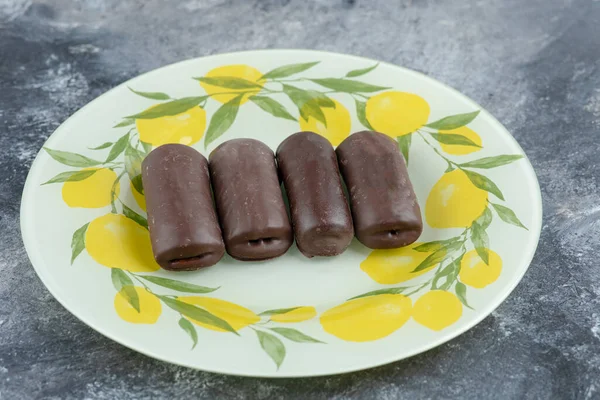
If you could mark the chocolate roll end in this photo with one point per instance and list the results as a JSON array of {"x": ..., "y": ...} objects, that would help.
[
  {"x": 183, "y": 226},
  {"x": 325, "y": 242},
  {"x": 261, "y": 246},
  {"x": 383, "y": 203},
  {"x": 249, "y": 201},
  {"x": 190, "y": 257},
  {"x": 320, "y": 214},
  {"x": 391, "y": 236}
]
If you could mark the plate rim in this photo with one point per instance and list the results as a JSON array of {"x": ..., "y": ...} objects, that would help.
[{"x": 483, "y": 312}]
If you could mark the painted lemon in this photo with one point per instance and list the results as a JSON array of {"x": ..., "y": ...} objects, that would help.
[
  {"x": 397, "y": 113},
  {"x": 93, "y": 191},
  {"x": 367, "y": 318},
  {"x": 150, "y": 307},
  {"x": 297, "y": 315},
  {"x": 115, "y": 241},
  {"x": 338, "y": 123},
  {"x": 140, "y": 199},
  {"x": 437, "y": 309},
  {"x": 394, "y": 265},
  {"x": 237, "y": 316},
  {"x": 476, "y": 273},
  {"x": 235, "y": 71},
  {"x": 184, "y": 128},
  {"x": 460, "y": 149},
  {"x": 454, "y": 202}
]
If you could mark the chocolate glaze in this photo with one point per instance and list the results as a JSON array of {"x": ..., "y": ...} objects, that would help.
[
  {"x": 384, "y": 206},
  {"x": 320, "y": 214},
  {"x": 183, "y": 224},
  {"x": 249, "y": 200}
]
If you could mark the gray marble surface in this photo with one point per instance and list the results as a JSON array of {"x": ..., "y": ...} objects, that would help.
[{"x": 534, "y": 64}]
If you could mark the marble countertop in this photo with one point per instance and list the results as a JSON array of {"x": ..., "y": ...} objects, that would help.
[{"x": 534, "y": 64}]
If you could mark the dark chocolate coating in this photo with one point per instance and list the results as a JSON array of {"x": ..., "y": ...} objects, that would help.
[
  {"x": 320, "y": 214},
  {"x": 384, "y": 206},
  {"x": 183, "y": 224},
  {"x": 249, "y": 200}
]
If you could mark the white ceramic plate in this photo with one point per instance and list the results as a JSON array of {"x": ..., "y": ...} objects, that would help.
[{"x": 82, "y": 218}]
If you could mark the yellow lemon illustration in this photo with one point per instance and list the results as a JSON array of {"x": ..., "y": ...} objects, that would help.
[
  {"x": 93, "y": 191},
  {"x": 367, "y": 318},
  {"x": 140, "y": 199},
  {"x": 454, "y": 202},
  {"x": 338, "y": 124},
  {"x": 184, "y": 128},
  {"x": 476, "y": 273},
  {"x": 235, "y": 71},
  {"x": 394, "y": 265},
  {"x": 150, "y": 307},
  {"x": 115, "y": 241},
  {"x": 237, "y": 316},
  {"x": 397, "y": 113},
  {"x": 297, "y": 315},
  {"x": 460, "y": 149},
  {"x": 437, "y": 309}
]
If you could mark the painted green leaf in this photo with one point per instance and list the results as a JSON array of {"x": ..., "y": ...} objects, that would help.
[
  {"x": 481, "y": 242},
  {"x": 288, "y": 70},
  {"x": 102, "y": 146},
  {"x": 311, "y": 109},
  {"x": 229, "y": 82},
  {"x": 147, "y": 147},
  {"x": 71, "y": 159},
  {"x": 137, "y": 184},
  {"x": 359, "y": 72},
  {"x": 450, "y": 168},
  {"x": 197, "y": 314},
  {"x": 120, "y": 279},
  {"x": 222, "y": 120},
  {"x": 272, "y": 346},
  {"x": 434, "y": 258},
  {"x": 507, "y": 215},
  {"x": 169, "y": 108},
  {"x": 321, "y": 99},
  {"x": 451, "y": 138},
  {"x": 278, "y": 311},
  {"x": 485, "y": 219},
  {"x": 492, "y": 162},
  {"x": 361, "y": 113},
  {"x": 461, "y": 293},
  {"x": 151, "y": 95},
  {"x": 190, "y": 330},
  {"x": 404, "y": 142},
  {"x": 124, "y": 286},
  {"x": 434, "y": 245},
  {"x": 71, "y": 176},
  {"x": 132, "y": 215},
  {"x": 177, "y": 285},
  {"x": 78, "y": 242},
  {"x": 453, "y": 121},
  {"x": 301, "y": 97},
  {"x": 396, "y": 290},
  {"x": 273, "y": 107},
  {"x": 133, "y": 161},
  {"x": 308, "y": 105},
  {"x": 118, "y": 148},
  {"x": 295, "y": 335},
  {"x": 484, "y": 183},
  {"x": 450, "y": 272},
  {"x": 348, "y": 85},
  {"x": 125, "y": 122}
]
